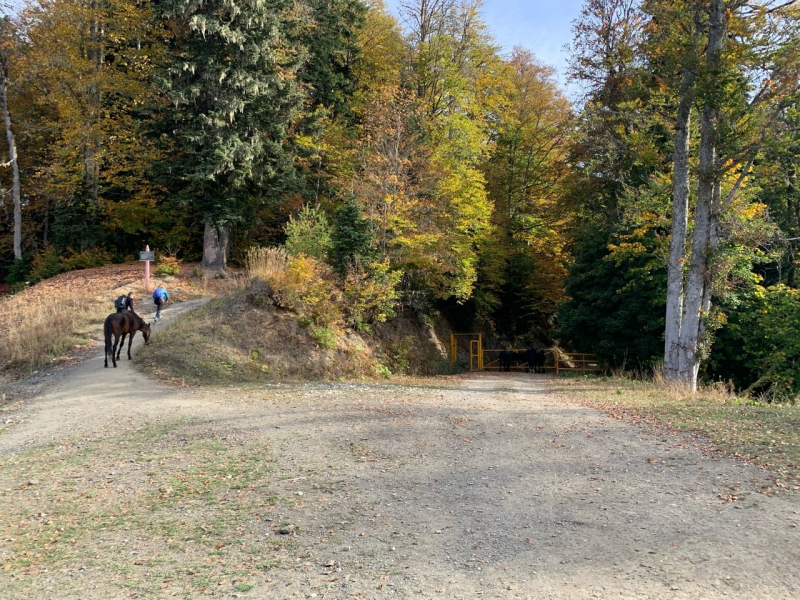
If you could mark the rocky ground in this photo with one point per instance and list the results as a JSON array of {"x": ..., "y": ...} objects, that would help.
[{"x": 113, "y": 486}]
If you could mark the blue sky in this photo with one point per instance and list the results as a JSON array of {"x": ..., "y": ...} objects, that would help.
[{"x": 541, "y": 26}]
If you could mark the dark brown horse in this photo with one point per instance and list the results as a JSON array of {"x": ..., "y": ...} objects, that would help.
[{"x": 122, "y": 324}]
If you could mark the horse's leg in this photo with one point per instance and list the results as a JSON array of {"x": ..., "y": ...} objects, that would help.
[
  {"x": 114, "y": 350},
  {"x": 130, "y": 341},
  {"x": 121, "y": 344},
  {"x": 107, "y": 332}
]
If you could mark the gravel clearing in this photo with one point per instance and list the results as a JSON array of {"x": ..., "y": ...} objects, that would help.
[{"x": 483, "y": 487}]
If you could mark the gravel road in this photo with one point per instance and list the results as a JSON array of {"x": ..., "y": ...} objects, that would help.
[{"x": 485, "y": 487}]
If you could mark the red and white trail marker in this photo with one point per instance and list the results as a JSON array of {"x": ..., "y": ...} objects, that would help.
[{"x": 147, "y": 256}]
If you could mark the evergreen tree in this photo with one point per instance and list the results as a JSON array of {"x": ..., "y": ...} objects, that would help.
[
  {"x": 332, "y": 44},
  {"x": 232, "y": 78},
  {"x": 309, "y": 233},
  {"x": 352, "y": 237},
  {"x": 615, "y": 307}
]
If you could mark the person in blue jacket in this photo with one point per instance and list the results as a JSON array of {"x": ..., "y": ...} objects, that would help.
[{"x": 160, "y": 298}]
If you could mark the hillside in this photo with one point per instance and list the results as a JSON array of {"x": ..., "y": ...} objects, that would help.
[{"x": 243, "y": 336}]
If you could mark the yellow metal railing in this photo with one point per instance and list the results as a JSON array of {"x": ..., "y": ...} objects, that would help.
[
  {"x": 573, "y": 362},
  {"x": 475, "y": 349},
  {"x": 492, "y": 360}
]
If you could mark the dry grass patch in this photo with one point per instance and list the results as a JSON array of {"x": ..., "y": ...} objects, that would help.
[
  {"x": 40, "y": 330},
  {"x": 244, "y": 337},
  {"x": 767, "y": 434},
  {"x": 266, "y": 262},
  {"x": 236, "y": 339}
]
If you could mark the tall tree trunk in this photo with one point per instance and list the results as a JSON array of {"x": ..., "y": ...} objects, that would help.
[
  {"x": 215, "y": 247},
  {"x": 12, "y": 155},
  {"x": 680, "y": 216},
  {"x": 698, "y": 260},
  {"x": 705, "y": 305},
  {"x": 697, "y": 301}
]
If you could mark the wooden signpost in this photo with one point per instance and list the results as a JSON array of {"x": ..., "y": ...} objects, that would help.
[{"x": 147, "y": 256}]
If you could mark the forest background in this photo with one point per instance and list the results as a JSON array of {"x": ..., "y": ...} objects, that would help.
[{"x": 429, "y": 168}]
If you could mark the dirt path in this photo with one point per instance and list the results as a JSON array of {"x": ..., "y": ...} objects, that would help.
[
  {"x": 487, "y": 487},
  {"x": 89, "y": 397}
]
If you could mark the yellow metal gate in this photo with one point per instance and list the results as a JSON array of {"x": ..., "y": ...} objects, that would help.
[{"x": 558, "y": 360}]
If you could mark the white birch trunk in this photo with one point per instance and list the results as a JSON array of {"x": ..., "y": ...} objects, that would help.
[{"x": 12, "y": 155}]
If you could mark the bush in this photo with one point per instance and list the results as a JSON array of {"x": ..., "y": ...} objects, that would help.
[
  {"x": 48, "y": 264},
  {"x": 266, "y": 262},
  {"x": 759, "y": 349},
  {"x": 167, "y": 265},
  {"x": 371, "y": 294},
  {"x": 324, "y": 336},
  {"x": 94, "y": 257},
  {"x": 307, "y": 286},
  {"x": 20, "y": 271},
  {"x": 309, "y": 234},
  {"x": 45, "y": 265}
]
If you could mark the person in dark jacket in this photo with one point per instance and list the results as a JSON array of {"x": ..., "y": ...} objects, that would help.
[
  {"x": 160, "y": 298},
  {"x": 124, "y": 303}
]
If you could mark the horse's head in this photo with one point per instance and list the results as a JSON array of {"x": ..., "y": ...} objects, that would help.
[{"x": 146, "y": 333}]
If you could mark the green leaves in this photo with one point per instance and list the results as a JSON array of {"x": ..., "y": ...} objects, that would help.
[{"x": 759, "y": 349}]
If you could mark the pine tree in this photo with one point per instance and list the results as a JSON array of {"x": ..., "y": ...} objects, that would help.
[
  {"x": 232, "y": 79},
  {"x": 352, "y": 237},
  {"x": 333, "y": 48}
]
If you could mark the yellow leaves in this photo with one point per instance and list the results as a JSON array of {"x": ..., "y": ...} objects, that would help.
[
  {"x": 307, "y": 287},
  {"x": 382, "y": 51},
  {"x": 753, "y": 211},
  {"x": 371, "y": 294}
]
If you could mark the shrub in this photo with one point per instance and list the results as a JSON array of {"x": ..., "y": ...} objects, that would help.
[
  {"x": 266, "y": 262},
  {"x": 46, "y": 264},
  {"x": 309, "y": 234},
  {"x": 94, "y": 257},
  {"x": 167, "y": 265},
  {"x": 20, "y": 270},
  {"x": 324, "y": 336},
  {"x": 307, "y": 286},
  {"x": 759, "y": 349},
  {"x": 370, "y": 294}
]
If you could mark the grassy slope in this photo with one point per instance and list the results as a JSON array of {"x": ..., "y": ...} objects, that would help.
[
  {"x": 768, "y": 435},
  {"x": 231, "y": 340}
]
